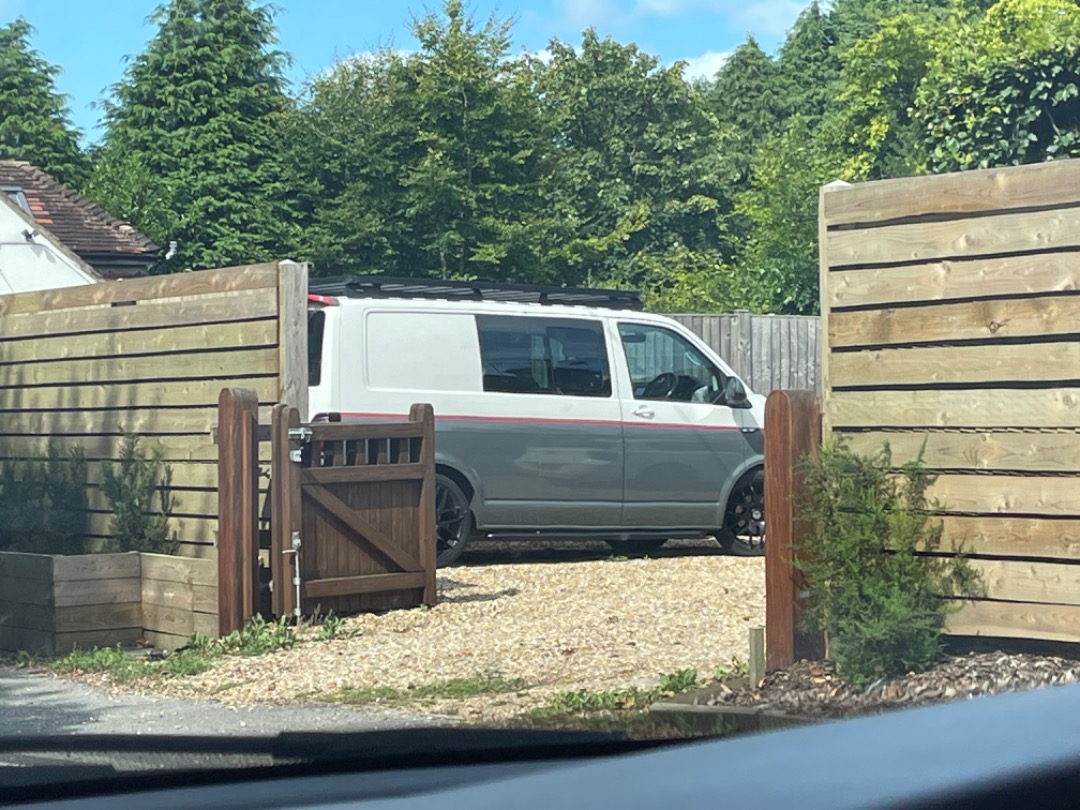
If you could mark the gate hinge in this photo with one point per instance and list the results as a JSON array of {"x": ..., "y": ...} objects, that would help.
[{"x": 303, "y": 435}]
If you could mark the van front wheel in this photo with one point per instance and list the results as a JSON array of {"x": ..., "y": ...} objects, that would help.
[
  {"x": 453, "y": 520},
  {"x": 743, "y": 532}
]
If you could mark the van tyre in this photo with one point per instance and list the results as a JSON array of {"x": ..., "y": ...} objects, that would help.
[
  {"x": 743, "y": 532},
  {"x": 453, "y": 520}
]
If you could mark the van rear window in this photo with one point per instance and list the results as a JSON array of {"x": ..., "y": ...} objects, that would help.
[
  {"x": 315, "y": 324},
  {"x": 558, "y": 356}
]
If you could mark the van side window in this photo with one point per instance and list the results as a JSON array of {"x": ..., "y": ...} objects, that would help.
[
  {"x": 543, "y": 356},
  {"x": 665, "y": 365}
]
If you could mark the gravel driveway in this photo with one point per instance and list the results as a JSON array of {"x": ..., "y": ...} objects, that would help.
[{"x": 549, "y": 619}]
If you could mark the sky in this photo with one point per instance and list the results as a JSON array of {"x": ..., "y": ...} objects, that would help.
[{"x": 90, "y": 39}]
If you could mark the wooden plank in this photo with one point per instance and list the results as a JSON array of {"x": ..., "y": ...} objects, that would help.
[
  {"x": 163, "y": 369},
  {"x": 177, "y": 595},
  {"x": 1016, "y": 620},
  {"x": 1023, "y": 581},
  {"x": 362, "y": 530},
  {"x": 128, "y": 343},
  {"x": 90, "y": 593},
  {"x": 792, "y": 431},
  {"x": 951, "y": 280},
  {"x": 956, "y": 192},
  {"x": 114, "y": 421},
  {"x": 164, "y": 641},
  {"x": 96, "y": 566},
  {"x": 204, "y": 598},
  {"x": 1010, "y": 233},
  {"x": 199, "y": 598},
  {"x": 358, "y": 431},
  {"x": 823, "y": 290},
  {"x": 103, "y": 617},
  {"x": 982, "y": 320},
  {"x": 292, "y": 285},
  {"x": 1012, "y": 536},
  {"x": 27, "y": 617},
  {"x": 142, "y": 320},
  {"x": 202, "y": 282},
  {"x": 986, "y": 365},
  {"x": 1007, "y": 494},
  {"x": 205, "y": 624},
  {"x": 361, "y": 474},
  {"x": 168, "y": 568},
  {"x": 426, "y": 519},
  {"x": 992, "y": 408},
  {"x": 20, "y": 565},
  {"x": 95, "y": 447},
  {"x": 89, "y": 639},
  {"x": 189, "y": 530},
  {"x": 181, "y": 475},
  {"x": 15, "y": 639},
  {"x": 26, "y": 591},
  {"x": 163, "y": 619},
  {"x": 985, "y": 450},
  {"x": 370, "y": 583},
  {"x": 172, "y": 393},
  {"x": 236, "y": 534}
]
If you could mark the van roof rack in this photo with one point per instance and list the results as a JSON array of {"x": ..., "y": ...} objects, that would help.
[{"x": 387, "y": 287}]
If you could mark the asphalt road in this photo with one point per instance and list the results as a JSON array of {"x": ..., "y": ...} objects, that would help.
[{"x": 33, "y": 704}]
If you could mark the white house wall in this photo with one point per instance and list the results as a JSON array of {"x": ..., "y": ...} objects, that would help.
[{"x": 38, "y": 263}]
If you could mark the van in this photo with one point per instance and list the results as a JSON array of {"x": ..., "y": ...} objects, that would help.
[{"x": 560, "y": 413}]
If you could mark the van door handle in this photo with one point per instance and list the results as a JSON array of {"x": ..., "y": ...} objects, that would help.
[{"x": 644, "y": 411}]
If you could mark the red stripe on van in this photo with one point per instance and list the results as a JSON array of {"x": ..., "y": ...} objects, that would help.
[{"x": 543, "y": 421}]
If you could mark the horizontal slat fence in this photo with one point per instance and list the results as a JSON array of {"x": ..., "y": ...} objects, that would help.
[
  {"x": 951, "y": 313},
  {"x": 769, "y": 352},
  {"x": 82, "y": 366}
]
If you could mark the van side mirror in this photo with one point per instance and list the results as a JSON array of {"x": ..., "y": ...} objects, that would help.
[{"x": 734, "y": 394}]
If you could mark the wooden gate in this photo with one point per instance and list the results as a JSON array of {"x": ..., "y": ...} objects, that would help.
[{"x": 352, "y": 513}]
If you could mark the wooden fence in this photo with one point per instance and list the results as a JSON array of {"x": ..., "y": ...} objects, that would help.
[
  {"x": 768, "y": 351},
  {"x": 952, "y": 315},
  {"x": 82, "y": 366}
]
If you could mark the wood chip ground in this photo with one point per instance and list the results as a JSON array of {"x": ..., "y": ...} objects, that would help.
[{"x": 557, "y": 620}]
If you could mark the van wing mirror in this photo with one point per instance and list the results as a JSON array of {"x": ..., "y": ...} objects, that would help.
[{"x": 734, "y": 394}]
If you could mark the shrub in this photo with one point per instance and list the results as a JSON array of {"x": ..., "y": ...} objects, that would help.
[
  {"x": 43, "y": 503},
  {"x": 876, "y": 584},
  {"x": 132, "y": 488}
]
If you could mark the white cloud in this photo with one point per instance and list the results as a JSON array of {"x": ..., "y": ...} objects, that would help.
[
  {"x": 760, "y": 17},
  {"x": 705, "y": 65},
  {"x": 581, "y": 14},
  {"x": 770, "y": 18}
]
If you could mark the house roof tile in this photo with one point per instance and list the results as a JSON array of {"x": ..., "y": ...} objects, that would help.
[{"x": 82, "y": 226}]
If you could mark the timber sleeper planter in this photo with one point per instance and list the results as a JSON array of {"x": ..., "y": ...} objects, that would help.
[{"x": 51, "y": 604}]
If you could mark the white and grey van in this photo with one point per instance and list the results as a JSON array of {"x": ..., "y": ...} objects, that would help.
[{"x": 560, "y": 413}]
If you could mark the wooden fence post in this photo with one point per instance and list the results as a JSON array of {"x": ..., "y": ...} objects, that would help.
[
  {"x": 792, "y": 432},
  {"x": 238, "y": 500},
  {"x": 427, "y": 527}
]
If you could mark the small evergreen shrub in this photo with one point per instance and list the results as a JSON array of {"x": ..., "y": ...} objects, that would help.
[
  {"x": 138, "y": 491},
  {"x": 877, "y": 589},
  {"x": 43, "y": 503}
]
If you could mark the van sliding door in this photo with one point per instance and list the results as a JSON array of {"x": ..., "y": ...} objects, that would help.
[{"x": 553, "y": 456}]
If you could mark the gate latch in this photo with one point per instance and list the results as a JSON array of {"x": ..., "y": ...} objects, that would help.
[{"x": 303, "y": 435}]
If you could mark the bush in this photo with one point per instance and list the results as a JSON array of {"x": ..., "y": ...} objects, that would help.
[
  {"x": 43, "y": 503},
  {"x": 132, "y": 489},
  {"x": 876, "y": 586}
]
